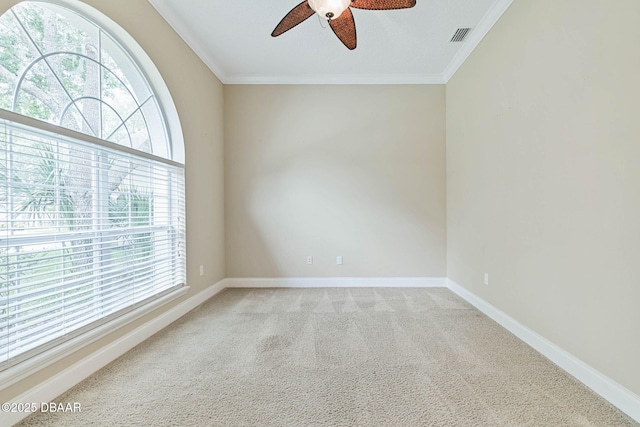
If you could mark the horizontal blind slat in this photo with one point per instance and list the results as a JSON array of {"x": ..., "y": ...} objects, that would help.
[{"x": 100, "y": 232}]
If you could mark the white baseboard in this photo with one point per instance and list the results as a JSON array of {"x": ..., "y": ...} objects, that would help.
[
  {"x": 48, "y": 357},
  {"x": 336, "y": 282},
  {"x": 619, "y": 396},
  {"x": 616, "y": 394},
  {"x": 64, "y": 380}
]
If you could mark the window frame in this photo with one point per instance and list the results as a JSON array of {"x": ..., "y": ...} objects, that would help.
[
  {"x": 107, "y": 325},
  {"x": 145, "y": 64}
]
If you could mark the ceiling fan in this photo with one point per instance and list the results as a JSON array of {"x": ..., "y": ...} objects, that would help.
[{"x": 339, "y": 15}]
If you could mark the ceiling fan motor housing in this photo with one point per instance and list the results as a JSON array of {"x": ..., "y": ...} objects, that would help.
[{"x": 329, "y": 9}]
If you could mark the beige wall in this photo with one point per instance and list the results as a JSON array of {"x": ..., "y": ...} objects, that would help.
[
  {"x": 543, "y": 166},
  {"x": 542, "y": 172},
  {"x": 357, "y": 171},
  {"x": 197, "y": 95}
]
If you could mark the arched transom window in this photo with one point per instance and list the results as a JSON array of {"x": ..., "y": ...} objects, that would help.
[
  {"x": 91, "y": 179},
  {"x": 64, "y": 69}
]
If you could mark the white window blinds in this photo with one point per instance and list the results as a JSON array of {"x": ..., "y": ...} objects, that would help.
[{"x": 88, "y": 231}]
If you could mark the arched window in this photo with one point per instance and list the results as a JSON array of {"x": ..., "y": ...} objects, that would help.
[{"x": 91, "y": 178}]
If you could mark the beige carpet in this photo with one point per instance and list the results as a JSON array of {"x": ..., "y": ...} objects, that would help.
[{"x": 333, "y": 357}]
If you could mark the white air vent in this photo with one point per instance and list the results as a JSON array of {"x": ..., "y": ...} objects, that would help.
[{"x": 460, "y": 34}]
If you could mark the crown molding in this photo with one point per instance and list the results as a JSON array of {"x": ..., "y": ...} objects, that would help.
[
  {"x": 163, "y": 8},
  {"x": 337, "y": 79},
  {"x": 484, "y": 26},
  {"x": 480, "y": 31}
]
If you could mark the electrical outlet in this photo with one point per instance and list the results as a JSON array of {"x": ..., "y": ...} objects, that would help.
[
  {"x": 202, "y": 270},
  {"x": 486, "y": 278},
  {"x": 339, "y": 260},
  {"x": 309, "y": 259}
]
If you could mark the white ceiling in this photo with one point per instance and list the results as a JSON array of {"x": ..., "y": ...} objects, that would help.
[{"x": 396, "y": 46}]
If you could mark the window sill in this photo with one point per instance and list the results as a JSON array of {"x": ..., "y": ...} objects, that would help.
[{"x": 40, "y": 361}]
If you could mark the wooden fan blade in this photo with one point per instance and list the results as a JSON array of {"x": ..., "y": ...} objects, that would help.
[
  {"x": 295, "y": 16},
  {"x": 382, "y": 4},
  {"x": 345, "y": 28}
]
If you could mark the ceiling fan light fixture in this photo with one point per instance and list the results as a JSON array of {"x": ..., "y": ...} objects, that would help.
[
  {"x": 329, "y": 9},
  {"x": 338, "y": 13}
]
